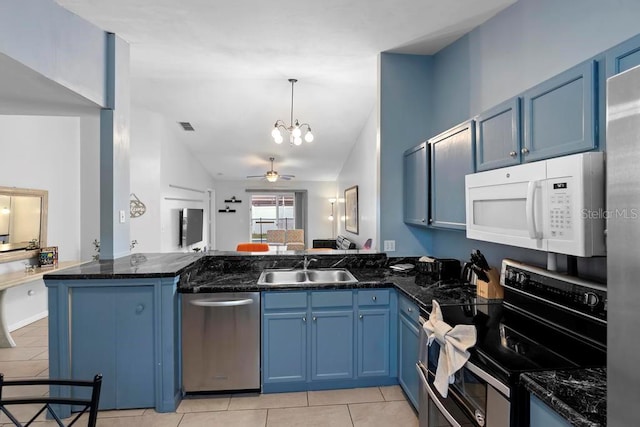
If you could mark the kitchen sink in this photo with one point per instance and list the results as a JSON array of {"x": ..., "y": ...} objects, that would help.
[{"x": 293, "y": 277}]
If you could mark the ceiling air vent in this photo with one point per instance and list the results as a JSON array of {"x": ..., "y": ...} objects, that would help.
[{"x": 186, "y": 126}]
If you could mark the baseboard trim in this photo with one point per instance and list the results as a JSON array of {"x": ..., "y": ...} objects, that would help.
[{"x": 29, "y": 320}]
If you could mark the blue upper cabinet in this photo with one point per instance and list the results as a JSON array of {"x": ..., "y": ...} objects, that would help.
[
  {"x": 416, "y": 185},
  {"x": 623, "y": 57},
  {"x": 560, "y": 114},
  {"x": 498, "y": 136},
  {"x": 452, "y": 157}
]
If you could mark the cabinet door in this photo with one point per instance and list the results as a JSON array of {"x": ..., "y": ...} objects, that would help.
[
  {"x": 623, "y": 57},
  {"x": 94, "y": 340},
  {"x": 498, "y": 136},
  {"x": 559, "y": 114},
  {"x": 373, "y": 343},
  {"x": 452, "y": 158},
  {"x": 112, "y": 333},
  {"x": 416, "y": 185},
  {"x": 135, "y": 358},
  {"x": 332, "y": 345},
  {"x": 408, "y": 356},
  {"x": 540, "y": 415},
  {"x": 284, "y": 347}
]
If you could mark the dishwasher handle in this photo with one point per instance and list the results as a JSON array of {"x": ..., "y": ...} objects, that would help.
[{"x": 221, "y": 302}]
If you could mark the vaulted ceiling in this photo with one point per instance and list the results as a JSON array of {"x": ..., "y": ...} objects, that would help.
[{"x": 223, "y": 66}]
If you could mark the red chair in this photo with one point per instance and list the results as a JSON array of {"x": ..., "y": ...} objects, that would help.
[{"x": 252, "y": 247}]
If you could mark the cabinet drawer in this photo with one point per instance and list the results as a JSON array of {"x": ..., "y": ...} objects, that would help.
[
  {"x": 409, "y": 309},
  {"x": 332, "y": 299},
  {"x": 373, "y": 297},
  {"x": 280, "y": 300}
]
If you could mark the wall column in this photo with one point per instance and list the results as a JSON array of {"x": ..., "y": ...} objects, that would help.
[{"x": 114, "y": 153}]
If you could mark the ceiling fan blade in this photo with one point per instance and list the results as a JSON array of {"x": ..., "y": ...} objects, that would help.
[
  {"x": 286, "y": 177},
  {"x": 255, "y": 176}
]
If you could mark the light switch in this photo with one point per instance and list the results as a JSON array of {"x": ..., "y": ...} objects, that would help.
[
  {"x": 389, "y": 245},
  {"x": 122, "y": 217}
]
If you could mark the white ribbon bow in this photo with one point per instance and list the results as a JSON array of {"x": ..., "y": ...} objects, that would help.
[{"x": 454, "y": 343}]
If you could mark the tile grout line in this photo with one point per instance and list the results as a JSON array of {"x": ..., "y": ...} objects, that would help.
[{"x": 350, "y": 416}]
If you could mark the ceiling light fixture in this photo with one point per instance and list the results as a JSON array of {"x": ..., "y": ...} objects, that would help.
[{"x": 294, "y": 129}]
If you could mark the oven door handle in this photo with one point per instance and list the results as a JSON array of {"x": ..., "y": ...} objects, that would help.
[{"x": 434, "y": 398}]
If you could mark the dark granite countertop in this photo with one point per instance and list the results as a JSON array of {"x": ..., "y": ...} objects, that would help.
[
  {"x": 234, "y": 272},
  {"x": 578, "y": 395},
  {"x": 135, "y": 266},
  {"x": 229, "y": 274}
]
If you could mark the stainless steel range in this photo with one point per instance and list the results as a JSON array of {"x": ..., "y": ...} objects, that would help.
[{"x": 546, "y": 321}]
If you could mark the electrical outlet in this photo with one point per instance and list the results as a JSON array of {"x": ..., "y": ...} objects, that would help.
[
  {"x": 122, "y": 217},
  {"x": 389, "y": 245}
]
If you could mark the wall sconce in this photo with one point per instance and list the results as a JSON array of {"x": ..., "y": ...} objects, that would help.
[
  {"x": 332, "y": 201},
  {"x": 7, "y": 211}
]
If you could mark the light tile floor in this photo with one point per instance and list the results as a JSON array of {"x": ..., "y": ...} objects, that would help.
[{"x": 371, "y": 407}]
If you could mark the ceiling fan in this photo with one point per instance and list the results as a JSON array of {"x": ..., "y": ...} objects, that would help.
[{"x": 272, "y": 175}]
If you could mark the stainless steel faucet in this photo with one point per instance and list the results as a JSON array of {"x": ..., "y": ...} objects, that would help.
[{"x": 306, "y": 262}]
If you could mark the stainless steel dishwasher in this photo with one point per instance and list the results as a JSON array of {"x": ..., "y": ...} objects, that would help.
[{"x": 221, "y": 341}]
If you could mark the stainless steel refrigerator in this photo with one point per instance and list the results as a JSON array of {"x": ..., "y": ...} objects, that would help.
[{"x": 623, "y": 248}]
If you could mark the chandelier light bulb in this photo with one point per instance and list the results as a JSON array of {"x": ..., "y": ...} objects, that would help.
[
  {"x": 330, "y": 217},
  {"x": 297, "y": 140},
  {"x": 308, "y": 137},
  {"x": 296, "y": 132},
  {"x": 278, "y": 138},
  {"x": 275, "y": 133}
]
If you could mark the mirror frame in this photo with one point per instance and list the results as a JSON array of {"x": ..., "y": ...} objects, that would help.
[{"x": 44, "y": 208}]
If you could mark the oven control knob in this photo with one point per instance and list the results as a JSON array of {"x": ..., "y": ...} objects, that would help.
[{"x": 591, "y": 299}]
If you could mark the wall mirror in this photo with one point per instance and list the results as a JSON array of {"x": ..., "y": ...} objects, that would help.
[{"x": 23, "y": 222}]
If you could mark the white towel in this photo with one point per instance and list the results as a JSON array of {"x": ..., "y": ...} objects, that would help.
[{"x": 454, "y": 343}]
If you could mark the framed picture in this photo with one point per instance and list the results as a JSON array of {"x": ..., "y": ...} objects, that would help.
[{"x": 351, "y": 209}]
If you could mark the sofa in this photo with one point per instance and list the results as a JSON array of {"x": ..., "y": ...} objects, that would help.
[{"x": 339, "y": 242}]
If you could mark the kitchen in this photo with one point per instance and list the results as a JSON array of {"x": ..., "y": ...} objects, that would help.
[{"x": 534, "y": 63}]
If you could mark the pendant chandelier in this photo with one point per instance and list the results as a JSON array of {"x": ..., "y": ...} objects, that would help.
[{"x": 295, "y": 128}]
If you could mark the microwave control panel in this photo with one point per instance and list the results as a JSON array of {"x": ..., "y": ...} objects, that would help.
[{"x": 560, "y": 221}]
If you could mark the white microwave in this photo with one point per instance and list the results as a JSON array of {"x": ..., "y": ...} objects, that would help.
[{"x": 554, "y": 205}]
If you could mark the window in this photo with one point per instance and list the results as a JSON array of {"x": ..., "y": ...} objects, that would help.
[{"x": 270, "y": 211}]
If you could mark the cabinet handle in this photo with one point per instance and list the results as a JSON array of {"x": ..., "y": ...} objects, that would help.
[
  {"x": 409, "y": 310},
  {"x": 513, "y": 153},
  {"x": 139, "y": 308},
  {"x": 422, "y": 220},
  {"x": 360, "y": 316},
  {"x": 304, "y": 319},
  {"x": 374, "y": 298},
  {"x": 315, "y": 318},
  {"x": 525, "y": 151}
]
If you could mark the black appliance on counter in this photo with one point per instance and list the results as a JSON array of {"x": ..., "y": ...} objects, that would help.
[
  {"x": 439, "y": 269},
  {"x": 547, "y": 321}
]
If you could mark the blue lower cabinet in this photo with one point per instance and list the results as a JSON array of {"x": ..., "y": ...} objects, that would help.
[
  {"x": 126, "y": 330},
  {"x": 541, "y": 415},
  {"x": 328, "y": 345},
  {"x": 373, "y": 342},
  {"x": 284, "y": 349},
  {"x": 332, "y": 345},
  {"x": 408, "y": 338},
  {"x": 112, "y": 333}
]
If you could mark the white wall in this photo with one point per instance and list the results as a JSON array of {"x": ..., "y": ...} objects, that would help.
[
  {"x": 361, "y": 169},
  {"x": 233, "y": 228},
  {"x": 42, "y": 153},
  {"x": 147, "y": 133},
  {"x": 57, "y": 44},
  {"x": 159, "y": 159}
]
